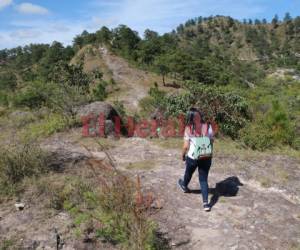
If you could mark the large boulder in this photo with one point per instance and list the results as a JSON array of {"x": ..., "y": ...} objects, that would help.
[
  {"x": 64, "y": 151},
  {"x": 97, "y": 108}
]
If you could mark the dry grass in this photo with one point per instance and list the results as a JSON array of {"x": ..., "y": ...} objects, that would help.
[
  {"x": 103, "y": 200},
  {"x": 265, "y": 181},
  {"x": 141, "y": 165},
  {"x": 168, "y": 143},
  {"x": 227, "y": 146},
  {"x": 281, "y": 174},
  {"x": 18, "y": 161}
]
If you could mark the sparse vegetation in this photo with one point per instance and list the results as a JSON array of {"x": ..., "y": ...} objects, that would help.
[
  {"x": 18, "y": 161},
  {"x": 141, "y": 165},
  {"x": 104, "y": 202},
  {"x": 265, "y": 181}
]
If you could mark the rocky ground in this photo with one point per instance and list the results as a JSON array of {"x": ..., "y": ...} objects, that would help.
[
  {"x": 255, "y": 204},
  {"x": 245, "y": 215}
]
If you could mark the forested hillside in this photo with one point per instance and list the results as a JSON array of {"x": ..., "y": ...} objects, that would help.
[
  {"x": 214, "y": 50},
  {"x": 227, "y": 67},
  {"x": 62, "y": 189}
]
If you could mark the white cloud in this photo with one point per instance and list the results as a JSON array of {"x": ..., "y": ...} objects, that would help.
[
  {"x": 159, "y": 15},
  {"x": 41, "y": 31},
  {"x": 165, "y": 15},
  {"x": 5, "y": 3},
  {"x": 25, "y": 34},
  {"x": 29, "y": 8}
]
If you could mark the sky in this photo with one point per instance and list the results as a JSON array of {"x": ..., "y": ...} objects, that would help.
[{"x": 45, "y": 21}]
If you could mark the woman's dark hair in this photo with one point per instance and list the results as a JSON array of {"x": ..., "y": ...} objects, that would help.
[{"x": 191, "y": 118}]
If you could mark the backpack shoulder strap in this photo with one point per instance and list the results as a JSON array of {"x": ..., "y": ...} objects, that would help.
[{"x": 204, "y": 129}]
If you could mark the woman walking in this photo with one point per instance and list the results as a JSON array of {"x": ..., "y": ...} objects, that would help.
[{"x": 197, "y": 152}]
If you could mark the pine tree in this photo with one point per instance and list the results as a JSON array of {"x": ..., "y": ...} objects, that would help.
[
  {"x": 275, "y": 21},
  {"x": 287, "y": 17}
]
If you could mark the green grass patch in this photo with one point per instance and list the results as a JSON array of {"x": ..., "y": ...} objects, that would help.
[
  {"x": 49, "y": 125},
  {"x": 9, "y": 244}
]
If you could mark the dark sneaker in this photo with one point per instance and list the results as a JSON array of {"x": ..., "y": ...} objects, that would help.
[
  {"x": 183, "y": 187},
  {"x": 206, "y": 207}
]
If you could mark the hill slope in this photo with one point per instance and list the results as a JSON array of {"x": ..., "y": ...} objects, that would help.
[{"x": 78, "y": 203}]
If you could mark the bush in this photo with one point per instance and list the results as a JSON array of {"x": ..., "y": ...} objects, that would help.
[
  {"x": 155, "y": 100},
  {"x": 35, "y": 95},
  {"x": 3, "y": 98},
  {"x": 66, "y": 98},
  {"x": 256, "y": 136},
  {"x": 72, "y": 75},
  {"x": 51, "y": 124},
  {"x": 228, "y": 109},
  {"x": 18, "y": 161},
  {"x": 177, "y": 104},
  {"x": 8, "y": 80},
  {"x": 279, "y": 123},
  {"x": 99, "y": 92},
  {"x": 274, "y": 128},
  {"x": 119, "y": 107}
]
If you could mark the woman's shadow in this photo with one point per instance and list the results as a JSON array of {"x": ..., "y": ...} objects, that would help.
[{"x": 227, "y": 188}]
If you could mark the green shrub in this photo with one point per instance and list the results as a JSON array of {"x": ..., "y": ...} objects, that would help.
[
  {"x": 51, "y": 124},
  {"x": 177, "y": 104},
  {"x": 296, "y": 142},
  {"x": 119, "y": 107},
  {"x": 18, "y": 161},
  {"x": 66, "y": 98},
  {"x": 147, "y": 105},
  {"x": 155, "y": 100},
  {"x": 3, "y": 98},
  {"x": 35, "y": 95},
  {"x": 8, "y": 80},
  {"x": 72, "y": 75},
  {"x": 256, "y": 136},
  {"x": 274, "y": 128},
  {"x": 228, "y": 109},
  {"x": 99, "y": 92},
  {"x": 279, "y": 123}
]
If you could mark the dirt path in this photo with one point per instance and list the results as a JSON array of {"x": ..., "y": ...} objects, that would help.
[
  {"x": 245, "y": 215},
  {"x": 134, "y": 83}
]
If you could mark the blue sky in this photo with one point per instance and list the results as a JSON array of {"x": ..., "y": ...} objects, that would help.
[{"x": 43, "y": 21}]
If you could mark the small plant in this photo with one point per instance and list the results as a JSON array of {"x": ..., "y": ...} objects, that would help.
[
  {"x": 35, "y": 95},
  {"x": 8, "y": 244},
  {"x": 51, "y": 124},
  {"x": 119, "y": 106},
  {"x": 142, "y": 165},
  {"x": 265, "y": 181},
  {"x": 18, "y": 161},
  {"x": 99, "y": 92}
]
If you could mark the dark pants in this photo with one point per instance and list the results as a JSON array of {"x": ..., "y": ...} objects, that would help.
[{"x": 203, "y": 169}]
